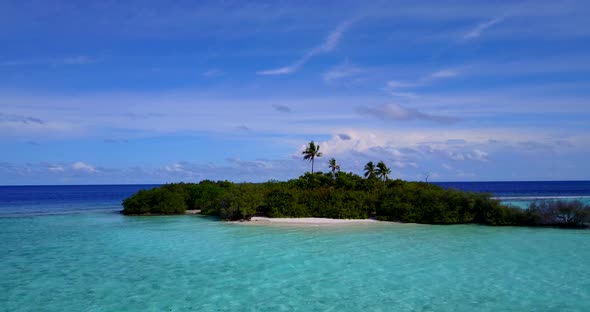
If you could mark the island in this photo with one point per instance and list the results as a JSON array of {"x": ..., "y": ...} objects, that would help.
[
  {"x": 345, "y": 195},
  {"x": 342, "y": 195}
]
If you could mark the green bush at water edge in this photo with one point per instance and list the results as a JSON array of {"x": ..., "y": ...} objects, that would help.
[{"x": 349, "y": 196}]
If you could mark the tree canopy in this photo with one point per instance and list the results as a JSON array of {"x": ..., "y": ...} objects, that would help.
[
  {"x": 382, "y": 171},
  {"x": 311, "y": 152},
  {"x": 370, "y": 172},
  {"x": 349, "y": 197}
]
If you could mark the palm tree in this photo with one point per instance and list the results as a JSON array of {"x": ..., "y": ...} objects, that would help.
[
  {"x": 311, "y": 152},
  {"x": 333, "y": 166},
  {"x": 370, "y": 170},
  {"x": 382, "y": 171}
]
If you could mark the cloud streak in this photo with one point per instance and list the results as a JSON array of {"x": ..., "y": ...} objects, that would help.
[
  {"x": 342, "y": 71},
  {"x": 281, "y": 108},
  {"x": 20, "y": 119},
  {"x": 69, "y": 60},
  {"x": 479, "y": 29},
  {"x": 328, "y": 45},
  {"x": 445, "y": 73},
  {"x": 81, "y": 166},
  {"x": 395, "y": 112},
  {"x": 393, "y": 86}
]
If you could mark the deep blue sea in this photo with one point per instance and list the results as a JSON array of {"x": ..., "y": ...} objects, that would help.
[
  {"x": 521, "y": 194},
  {"x": 65, "y": 248}
]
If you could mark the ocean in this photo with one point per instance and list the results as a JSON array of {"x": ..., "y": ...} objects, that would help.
[
  {"x": 66, "y": 248},
  {"x": 522, "y": 194}
]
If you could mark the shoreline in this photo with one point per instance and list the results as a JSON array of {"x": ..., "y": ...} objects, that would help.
[{"x": 309, "y": 221}]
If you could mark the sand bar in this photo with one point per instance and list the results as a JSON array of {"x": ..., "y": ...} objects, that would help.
[{"x": 307, "y": 221}]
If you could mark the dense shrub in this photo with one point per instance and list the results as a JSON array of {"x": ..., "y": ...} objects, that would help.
[
  {"x": 240, "y": 202},
  {"x": 206, "y": 196},
  {"x": 348, "y": 196},
  {"x": 155, "y": 201},
  {"x": 283, "y": 202},
  {"x": 558, "y": 213}
]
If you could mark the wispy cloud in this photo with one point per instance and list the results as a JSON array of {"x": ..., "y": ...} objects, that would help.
[
  {"x": 281, "y": 108},
  {"x": 410, "y": 157},
  {"x": 395, "y": 112},
  {"x": 394, "y": 85},
  {"x": 81, "y": 166},
  {"x": 214, "y": 72},
  {"x": 20, "y": 119},
  {"x": 445, "y": 73},
  {"x": 328, "y": 45},
  {"x": 407, "y": 95},
  {"x": 55, "y": 168},
  {"x": 77, "y": 60},
  {"x": 532, "y": 146},
  {"x": 478, "y": 154},
  {"x": 479, "y": 29},
  {"x": 341, "y": 71},
  {"x": 176, "y": 167},
  {"x": 68, "y": 60},
  {"x": 454, "y": 153},
  {"x": 344, "y": 137}
]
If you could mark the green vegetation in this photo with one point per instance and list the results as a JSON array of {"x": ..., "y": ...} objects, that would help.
[
  {"x": 311, "y": 153},
  {"x": 556, "y": 213},
  {"x": 168, "y": 199},
  {"x": 342, "y": 195},
  {"x": 370, "y": 172},
  {"x": 334, "y": 167},
  {"x": 349, "y": 196},
  {"x": 382, "y": 171}
]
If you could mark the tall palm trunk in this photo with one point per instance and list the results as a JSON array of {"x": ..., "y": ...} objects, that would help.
[{"x": 311, "y": 152}]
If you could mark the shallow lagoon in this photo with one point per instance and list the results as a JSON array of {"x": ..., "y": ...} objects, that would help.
[{"x": 107, "y": 262}]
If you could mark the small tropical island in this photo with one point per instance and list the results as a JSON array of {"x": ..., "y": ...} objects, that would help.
[{"x": 345, "y": 195}]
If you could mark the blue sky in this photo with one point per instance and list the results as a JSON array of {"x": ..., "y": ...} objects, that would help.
[{"x": 153, "y": 91}]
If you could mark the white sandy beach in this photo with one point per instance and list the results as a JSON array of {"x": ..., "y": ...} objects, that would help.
[{"x": 307, "y": 221}]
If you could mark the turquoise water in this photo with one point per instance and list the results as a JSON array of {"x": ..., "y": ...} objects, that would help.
[
  {"x": 107, "y": 262},
  {"x": 526, "y": 201}
]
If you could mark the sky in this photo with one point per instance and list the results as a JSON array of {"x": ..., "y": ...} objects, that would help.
[{"x": 119, "y": 92}]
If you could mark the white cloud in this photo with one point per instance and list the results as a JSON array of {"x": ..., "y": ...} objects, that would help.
[
  {"x": 479, "y": 29},
  {"x": 20, "y": 119},
  {"x": 478, "y": 154},
  {"x": 83, "y": 167},
  {"x": 167, "y": 113},
  {"x": 284, "y": 70},
  {"x": 55, "y": 168},
  {"x": 69, "y": 60},
  {"x": 446, "y": 73},
  {"x": 77, "y": 60},
  {"x": 394, "y": 86},
  {"x": 281, "y": 108},
  {"x": 409, "y": 152},
  {"x": 345, "y": 70},
  {"x": 401, "y": 164},
  {"x": 176, "y": 167},
  {"x": 333, "y": 38},
  {"x": 328, "y": 45},
  {"x": 397, "y": 112},
  {"x": 406, "y": 95}
]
